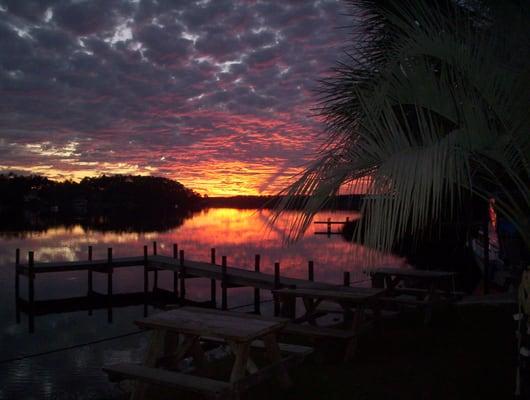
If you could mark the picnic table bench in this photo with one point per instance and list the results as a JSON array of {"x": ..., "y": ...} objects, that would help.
[
  {"x": 182, "y": 332},
  {"x": 420, "y": 288},
  {"x": 353, "y": 301}
]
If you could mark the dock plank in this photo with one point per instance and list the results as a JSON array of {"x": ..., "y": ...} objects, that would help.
[{"x": 236, "y": 276}]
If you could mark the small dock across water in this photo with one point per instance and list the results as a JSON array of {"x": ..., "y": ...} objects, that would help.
[{"x": 328, "y": 224}]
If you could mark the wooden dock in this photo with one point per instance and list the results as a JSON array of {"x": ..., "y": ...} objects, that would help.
[
  {"x": 328, "y": 224},
  {"x": 182, "y": 268}
]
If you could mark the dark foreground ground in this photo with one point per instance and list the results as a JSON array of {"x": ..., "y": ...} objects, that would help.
[{"x": 468, "y": 353}]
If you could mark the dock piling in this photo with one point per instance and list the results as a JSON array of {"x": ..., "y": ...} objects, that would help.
[
  {"x": 486, "y": 256},
  {"x": 146, "y": 281},
  {"x": 31, "y": 277},
  {"x": 17, "y": 285},
  {"x": 257, "y": 300},
  {"x": 276, "y": 286},
  {"x": 182, "y": 275},
  {"x": 90, "y": 282},
  {"x": 224, "y": 282},
  {"x": 310, "y": 271},
  {"x": 90, "y": 277},
  {"x": 109, "y": 282},
  {"x": 146, "y": 272},
  {"x": 31, "y": 291},
  {"x": 346, "y": 278},
  {"x": 155, "y": 270},
  {"x": 175, "y": 273},
  {"x": 17, "y": 274},
  {"x": 213, "y": 283}
]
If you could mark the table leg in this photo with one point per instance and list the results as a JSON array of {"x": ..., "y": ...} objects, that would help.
[
  {"x": 357, "y": 325},
  {"x": 272, "y": 352},
  {"x": 176, "y": 349},
  {"x": 310, "y": 308},
  {"x": 185, "y": 345},
  {"x": 199, "y": 358},
  {"x": 347, "y": 315},
  {"x": 156, "y": 347},
  {"x": 241, "y": 351},
  {"x": 288, "y": 306},
  {"x": 171, "y": 343},
  {"x": 432, "y": 300},
  {"x": 251, "y": 365}
]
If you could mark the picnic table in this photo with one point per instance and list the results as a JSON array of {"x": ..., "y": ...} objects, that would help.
[
  {"x": 426, "y": 289},
  {"x": 182, "y": 332},
  {"x": 353, "y": 301}
]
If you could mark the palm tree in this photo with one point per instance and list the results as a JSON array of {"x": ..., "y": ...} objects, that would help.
[{"x": 429, "y": 108}]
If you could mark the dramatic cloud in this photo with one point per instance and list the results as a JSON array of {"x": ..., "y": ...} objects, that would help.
[{"x": 216, "y": 94}]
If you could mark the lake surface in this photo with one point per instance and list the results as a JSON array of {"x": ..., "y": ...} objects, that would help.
[{"x": 76, "y": 373}]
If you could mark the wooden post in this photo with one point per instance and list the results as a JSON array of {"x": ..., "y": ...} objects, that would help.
[
  {"x": 346, "y": 278},
  {"x": 329, "y": 226},
  {"x": 310, "y": 271},
  {"x": 213, "y": 283},
  {"x": 90, "y": 278},
  {"x": 224, "y": 298},
  {"x": 347, "y": 219},
  {"x": 182, "y": 275},
  {"x": 155, "y": 271},
  {"x": 486, "y": 245},
  {"x": 347, "y": 315},
  {"x": 175, "y": 273},
  {"x": 90, "y": 288},
  {"x": 276, "y": 286},
  {"x": 17, "y": 275},
  {"x": 377, "y": 281},
  {"x": 31, "y": 277},
  {"x": 31, "y": 291},
  {"x": 109, "y": 283},
  {"x": 146, "y": 272},
  {"x": 109, "y": 271},
  {"x": 146, "y": 281},
  {"x": 257, "y": 300}
]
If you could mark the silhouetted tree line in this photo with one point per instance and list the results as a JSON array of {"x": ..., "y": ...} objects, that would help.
[
  {"x": 340, "y": 202},
  {"x": 104, "y": 195}
]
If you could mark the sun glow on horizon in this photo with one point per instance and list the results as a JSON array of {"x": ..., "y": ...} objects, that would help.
[{"x": 219, "y": 180}]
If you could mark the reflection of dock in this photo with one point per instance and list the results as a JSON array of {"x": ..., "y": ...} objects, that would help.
[
  {"x": 94, "y": 301},
  {"x": 183, "y": 269},
  {"x": 328, "y": 224}
]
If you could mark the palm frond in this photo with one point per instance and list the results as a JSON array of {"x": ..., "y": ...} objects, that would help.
[{"x": 427, "y": 108}]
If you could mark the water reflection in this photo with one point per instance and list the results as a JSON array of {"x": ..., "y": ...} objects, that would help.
[{"x": 238, "y": 234}]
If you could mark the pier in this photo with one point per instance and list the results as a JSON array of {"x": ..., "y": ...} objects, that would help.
[
  {"x": 328, "y": 224},
  {"x": 182, "y": 268}
]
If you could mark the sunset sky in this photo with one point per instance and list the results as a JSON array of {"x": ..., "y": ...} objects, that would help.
[{"x": 215, "y": 94}]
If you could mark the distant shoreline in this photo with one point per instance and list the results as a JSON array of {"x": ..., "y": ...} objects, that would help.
[{"x": 341, "y": 202}]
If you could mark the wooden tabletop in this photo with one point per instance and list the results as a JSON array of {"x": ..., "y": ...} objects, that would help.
[
  {"x": 343, "y": 294},
  {"x": 187, "y": 320},
  {"x": 412, "y": 273}
]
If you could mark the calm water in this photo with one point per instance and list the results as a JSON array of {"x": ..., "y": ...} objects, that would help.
[{"x": 76, "y": 373}]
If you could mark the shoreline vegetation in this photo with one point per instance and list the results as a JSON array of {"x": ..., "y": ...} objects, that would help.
[{"x": 108, "y": 203}]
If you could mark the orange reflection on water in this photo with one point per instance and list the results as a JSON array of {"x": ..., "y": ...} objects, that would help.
[{"x": 238, "y": 234}]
